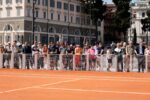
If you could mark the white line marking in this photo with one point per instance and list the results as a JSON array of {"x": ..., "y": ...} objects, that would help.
[
  {"x": 86, "y": 78},
  {"x": 98, "y": 91},
  {"x": 25, "y": 88},
  {"x": 79, "y": 76}
]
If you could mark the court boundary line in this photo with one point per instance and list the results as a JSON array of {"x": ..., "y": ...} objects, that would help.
[
  {"x": 98, "y": 91},
  {"x": 31, "y": 87},
  {"x": 80, "y": 76},
  {"x": 87, "y": 78}
]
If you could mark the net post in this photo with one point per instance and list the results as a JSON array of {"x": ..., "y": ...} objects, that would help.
[
  {"x": 74, "y": 64},
  {"x": 61, "y": 66},
  {"x": 1, "y": 60},
  {"x": 35, "y": 61},
  {"x": 87, "y": 62},
  {"x": 48, "y": 61},
  {"x": 12, "y": 61},
  {"x": 146, "y": 63},
  {"x": 23, "y": 61}
]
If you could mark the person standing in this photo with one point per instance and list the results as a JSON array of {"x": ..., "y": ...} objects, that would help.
[
  {"x": 78, "y": 52},
  {"x": 109, "y": 58},
  {"x": 15, "y": 51},
  {"x": 130, "y": 51},
  {"x": 26, "y": 49},
  {"x": 118, "y": 51},
  {"x": 92, "y": 58},
  {"x": 140, "y": 51},
  {"x": 7, "y": 55}
]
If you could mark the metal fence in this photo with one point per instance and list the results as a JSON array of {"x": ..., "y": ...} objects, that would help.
[{"x": 71, "y": 62}]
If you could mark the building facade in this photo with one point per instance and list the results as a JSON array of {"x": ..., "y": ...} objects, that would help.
[
  {"x": 55, "y": 20},
  {"x": 138, "y": 9}
]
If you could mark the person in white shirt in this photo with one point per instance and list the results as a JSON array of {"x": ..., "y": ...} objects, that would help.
[
  {"x": 147, "y": 50},
  {"x": 119, "y": 53},
  {"x": 109, "y": 58}
]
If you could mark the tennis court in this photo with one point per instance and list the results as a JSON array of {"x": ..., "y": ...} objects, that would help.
[{"x": 72, "y": 85}]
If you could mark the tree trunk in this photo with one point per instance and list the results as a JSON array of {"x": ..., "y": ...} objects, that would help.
[
  {"x": 124, "y": 37},
  {"x": 96, "y": 31}
]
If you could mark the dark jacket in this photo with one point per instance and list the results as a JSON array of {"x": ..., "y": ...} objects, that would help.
[
  {"x": 138, "y": 49},
  {"x": 27, "y": 50}
]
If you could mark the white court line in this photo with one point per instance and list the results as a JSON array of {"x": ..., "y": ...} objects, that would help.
[
  {"x": 25, "y": 88},
  {"x": 86, "y": 78},
  {"x": 79, "y": 76},
  {"x": 97, "y": 91}
]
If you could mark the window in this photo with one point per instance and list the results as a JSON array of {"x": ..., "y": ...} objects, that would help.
[
  {"x": 8, "y": 1},
  {"x": 18, "y": 1},
  {"x": 18, "y": 11},
  {"x": 37, "y": 28},
  {"x": 51, "y": 30},
  {"x": 59, "y": 5},
  {"x": 8, "y": 28},
  {"x": 143, "y": 14},
  {"x": 44, "y": 15},
  {"x": 71, "y": 19},
  {"x": 65, "y": 6},
  {"x": 82, "y": 9},
  {"x": 1, "y": 2},
  {"x": 88, "y": 20},
  {"x": 36, "y": 13},
  {"x": 77, "y": 20},
  {"x": 82, "y": 20},
  {"x": 134, "y": 15},
  {"x": 28, "y": 12},
  {"x": 65, "y": 31},
  {"x": 45, "y": 2},
  {"x": 52, "y": 15},
  {"x": 78, "y": 8},
  {"x": 8, "y": 12},
  {"x": 71, "y": 7},
  {"x": 38, "y": 2},
  {"x": 52, "y": 3},
  {"x": 29, "y": 1},
  {"x": 58, "y": 17},
  {"x": 65, "y": 18}
]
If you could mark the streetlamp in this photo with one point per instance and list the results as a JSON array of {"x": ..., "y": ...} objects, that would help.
[
  {"x": 68, "y": 20},
  {"x": 33, "y": 19}
]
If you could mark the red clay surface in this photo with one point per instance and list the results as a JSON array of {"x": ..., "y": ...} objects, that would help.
[{"x": 73, "y": 85}]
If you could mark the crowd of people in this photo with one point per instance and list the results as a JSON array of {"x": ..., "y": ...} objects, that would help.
[{"x": 122, "y": 50}]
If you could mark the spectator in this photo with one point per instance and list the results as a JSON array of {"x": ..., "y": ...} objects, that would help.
[
  {"x": 140, "y": 50},
  {"x": 7, "y": 56},
  {"x": 1, "y": 49},
  {"x": 92, "y": 57},
  {"x": 109, "y": 58},
  {"x": 78, "y": 52},
  {"x": 26, "y": 49},
  {"x": 118, "y": 51},
  {"x": 130, "y": 51},
  {"x": 40, "y": 56},
  {"x": 147, "y": 50}
]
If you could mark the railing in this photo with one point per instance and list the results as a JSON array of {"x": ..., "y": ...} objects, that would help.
[{"x": 71, "y": 62}]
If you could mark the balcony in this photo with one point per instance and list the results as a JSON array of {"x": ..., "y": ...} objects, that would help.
[
  {"x": 9, "y": 5},
  {"x": 19, "y": 4}
]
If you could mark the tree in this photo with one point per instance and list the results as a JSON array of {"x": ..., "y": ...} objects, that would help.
[
  {"x": 122, "y": 17},
  {"x": 146, "y": 24},
  {"x": 134, "y": 36},
  {"x": 96, "y": 9}
]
